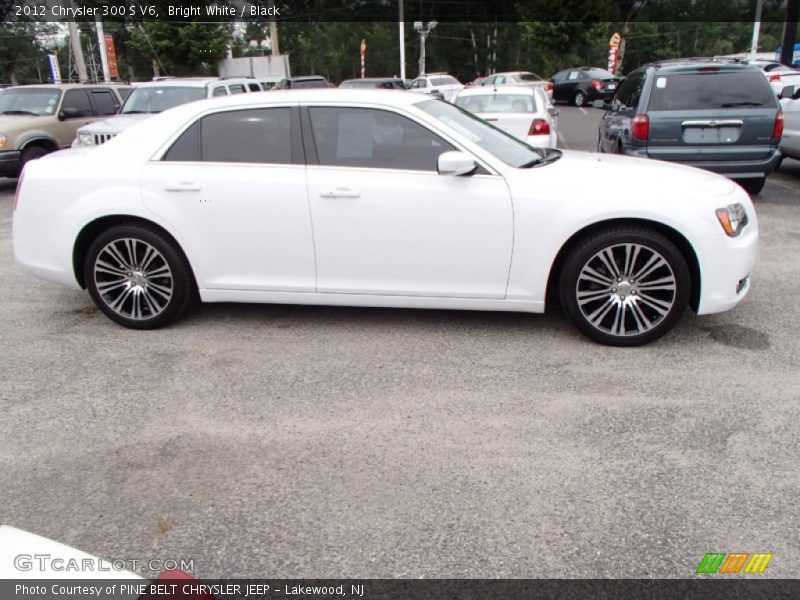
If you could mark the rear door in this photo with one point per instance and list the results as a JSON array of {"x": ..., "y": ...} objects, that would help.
[{"x": 711, "y": 114}]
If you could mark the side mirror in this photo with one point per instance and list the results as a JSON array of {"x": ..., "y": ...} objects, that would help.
[
  {"x": 787, "y": 92},
  {"x": 68, "y": 113},
  {"x": 553, "y": 111},
  {"x": 456, "y": 163}
]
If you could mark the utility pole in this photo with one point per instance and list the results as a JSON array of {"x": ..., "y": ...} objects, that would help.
[
  {"x": 756, "y": 29},
  {"x": 101, "y": 44},
  {"x": 75, "y": 42},
  {"x": 423, "y": 33},
  {"x": 273, "y": 29},
  {"x": 401, "y": 26}
]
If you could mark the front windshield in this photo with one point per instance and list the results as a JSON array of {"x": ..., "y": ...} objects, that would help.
[
  {"x": 158, "y": 99},
  {"x": 29, "y": 101},
  {"x": 507, "y": 148}
]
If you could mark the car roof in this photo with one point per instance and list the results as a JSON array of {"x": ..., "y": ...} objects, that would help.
[
  {"x": 67, "y": 86},
  {"x": 502, "y": 90},
  {"x": 181, "y": 82},
  {"x": 691, "y": 65},
  {"x": 398, "y": 98},
  {"x": 374, "y": 79}
]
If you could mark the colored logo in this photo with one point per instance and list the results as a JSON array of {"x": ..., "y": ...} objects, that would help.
[{"x": 736, "y": 562}]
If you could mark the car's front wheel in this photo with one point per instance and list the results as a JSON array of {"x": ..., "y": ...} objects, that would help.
[
  {"x": 138, "y": 277},
  {"x": 625, "y": 286}
]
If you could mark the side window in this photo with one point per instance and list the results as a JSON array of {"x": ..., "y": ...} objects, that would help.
[
  {"x": 236, "y": 88},
  {"x": 76, "y": 104},
  {"x": 247, "y": 136},
  {"x": 630, "y": 91},
  {"x": 574, "y": 76},
  {"x": 500, "y": 80},
  {"x": 254, "y": 87},
  {"x": 219, "y": 91},
  {"x": 379, "y": 139},
  {"x": 104, "y": 102},
  {"x": 186, "y": 147}
]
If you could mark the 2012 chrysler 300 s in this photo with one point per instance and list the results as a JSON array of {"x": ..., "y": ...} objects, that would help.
[{"x": 379, "y": 199}]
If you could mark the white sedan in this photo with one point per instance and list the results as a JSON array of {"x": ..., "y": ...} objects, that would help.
[
  {"x": 378, "y": 198},
  {"x": 524, "y": 112}
]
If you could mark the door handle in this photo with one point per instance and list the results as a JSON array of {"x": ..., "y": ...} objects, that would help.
[
  {"x": 341, "y": 192},
  {"x": 182, "y": 186}
]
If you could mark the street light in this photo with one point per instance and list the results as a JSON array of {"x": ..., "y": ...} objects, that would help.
[
  {"x": 423, "y": 33},
  {"x": 264, "y": 44}
]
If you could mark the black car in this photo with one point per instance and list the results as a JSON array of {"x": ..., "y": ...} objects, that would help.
[
  {"x": 296, "y": 83},
  {"x": 723, "y": 117},
  {"x": 583, "y": 85},
  {"x": 387, "y": 83}
]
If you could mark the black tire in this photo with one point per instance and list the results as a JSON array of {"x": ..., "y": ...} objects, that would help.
[
  {"x": 579, "y": 99},
  {"x": 30, "y": 153},
  {"x": 648, "y": 313},
  {"x": 753, "y": 186},
  {"x": 166, "y": 269}
]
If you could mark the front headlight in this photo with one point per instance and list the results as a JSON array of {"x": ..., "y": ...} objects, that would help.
[
  {"x": 733, "y": 219},
  {"x": 3, "y": 142},
  {"x": 85, "y": 139}
]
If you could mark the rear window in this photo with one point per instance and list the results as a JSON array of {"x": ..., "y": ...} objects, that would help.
[
  {"x": 723, "y": 89},
  {"x": 599, "y": 74},
  {"x": 498, "y": 103},
  {"x": 443, "y": 80},
  {"x": 310, "y": 83},
  {"x": 528, "y": 77}
]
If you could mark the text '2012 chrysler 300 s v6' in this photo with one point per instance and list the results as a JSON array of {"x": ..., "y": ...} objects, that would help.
[{"x": 378, "y": 199}]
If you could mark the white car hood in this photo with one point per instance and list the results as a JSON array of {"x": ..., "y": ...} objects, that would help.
[
  {"x": 115, "y": 124},
  {"x": 607, "y": 172},
  {"x": 17, "y": 561}
]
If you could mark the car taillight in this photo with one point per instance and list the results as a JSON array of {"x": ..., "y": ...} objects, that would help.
[
  {"x": 19, "y": 188},
  {"x": 640, "y": 127},
  {"x": 548, "y": 87},
  {"x": 777, "y": 129},
  {"x": 774, "y": 77},
  {"x": 539, "y": 127},
  {"x": 597, "y": 84}
]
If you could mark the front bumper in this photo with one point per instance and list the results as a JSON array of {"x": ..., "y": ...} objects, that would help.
[
  {"x": 726, "y": 265},
  {"x": 9, "y": 163}
]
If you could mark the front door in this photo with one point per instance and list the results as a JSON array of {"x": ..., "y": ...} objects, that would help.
[{"x": 386, "y": 223}]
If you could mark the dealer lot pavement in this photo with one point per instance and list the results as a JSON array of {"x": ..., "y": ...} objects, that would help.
[{"x": 289, "y": 441}]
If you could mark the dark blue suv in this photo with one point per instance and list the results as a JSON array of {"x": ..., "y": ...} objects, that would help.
[{"x": 719, "y": 116}]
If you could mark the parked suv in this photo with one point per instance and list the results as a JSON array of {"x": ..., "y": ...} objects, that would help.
[
  {"x": 156, "y": 96},
  {"x": 38, "y": 119},
  {"x": 723, "y": 117}
]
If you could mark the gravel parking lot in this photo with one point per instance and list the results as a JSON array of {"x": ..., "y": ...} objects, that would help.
[{"x": 289, "y": 441}]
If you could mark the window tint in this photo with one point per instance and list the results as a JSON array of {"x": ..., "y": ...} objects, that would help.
[
  {"x": 236, "y": 88},
  {"x": 254, "y": 87},
  {"x": 77, "y": 100},
  {"x": 105, "y": 103},
  {"x": 362, "y": 137},
  {"x": 599, "y": 74},
  {"x": 722, "y": 89},
  {"x": 241, "y": 136},
  {"x": 528, "y": 77},
  {"x": 247, "y": 136},
  {"x": 630, "y": 91},
  {"x": 310, "y": 83},
  {"x": 186, "y": 147},
  {"x": 220, "y": 91}
]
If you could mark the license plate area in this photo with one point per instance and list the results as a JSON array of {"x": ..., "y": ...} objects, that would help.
[{"x": 711, "y": 135}]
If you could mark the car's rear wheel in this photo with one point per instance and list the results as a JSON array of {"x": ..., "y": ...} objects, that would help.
[
  {"x": 625, "y": 286},
  {"x": 753, "y": 186},
  {"x": 579, "y": 99},
  {"x": 30, "y": 153},
  {"x": 138, "y": 277}
]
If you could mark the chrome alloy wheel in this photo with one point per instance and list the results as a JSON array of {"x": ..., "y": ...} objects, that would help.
[
  {"x": 133, "y": 278},
  {"x": 626, "y": 289}
]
